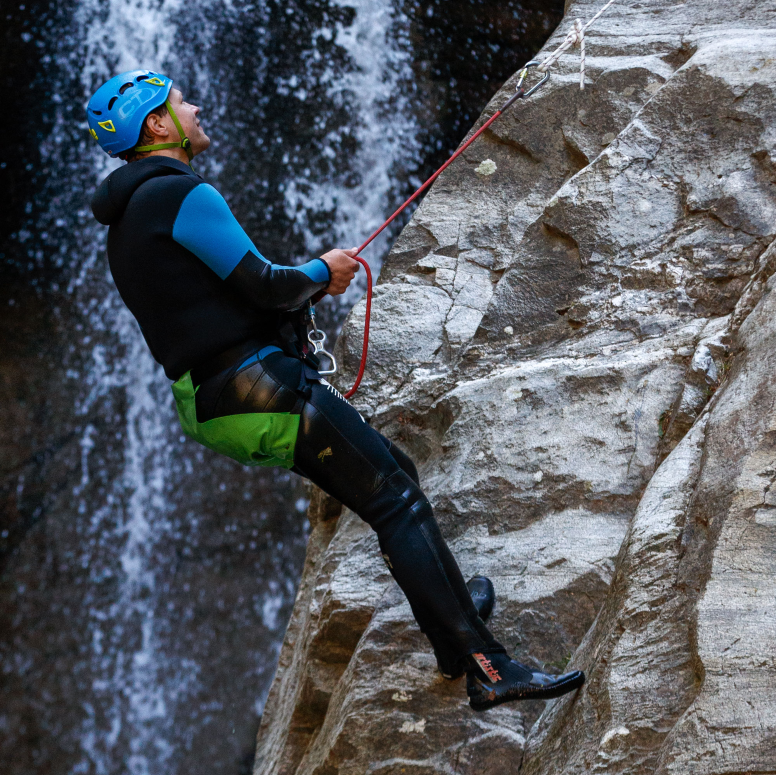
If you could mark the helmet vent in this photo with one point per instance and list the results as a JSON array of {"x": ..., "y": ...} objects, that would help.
[
  {"x": 142, "y": 78},
  {"x": 125, "y": 87},
  {"x": 97, "y": 112},
  {"x": 112, "y": 100}
]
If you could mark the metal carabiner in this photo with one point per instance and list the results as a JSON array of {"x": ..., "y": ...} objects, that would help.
[
  {"x": 317, "y": 339},
  {"x": 318, "y": 349},
  {"x": 519, "y": 93},
  {"x": 524, "y": 73}
]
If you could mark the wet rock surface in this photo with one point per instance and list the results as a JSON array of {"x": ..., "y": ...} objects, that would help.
[{"x": 578, "y": 349}]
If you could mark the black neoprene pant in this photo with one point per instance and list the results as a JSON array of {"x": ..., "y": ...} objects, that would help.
[{"x": 358, "y": 466}]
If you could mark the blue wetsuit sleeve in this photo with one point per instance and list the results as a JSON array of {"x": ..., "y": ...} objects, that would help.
[{"x": 205, "y": 226}]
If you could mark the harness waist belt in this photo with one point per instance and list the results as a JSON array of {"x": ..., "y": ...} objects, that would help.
[{"x": 229, "y": 357}]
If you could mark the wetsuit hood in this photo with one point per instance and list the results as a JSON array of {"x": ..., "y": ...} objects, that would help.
[{"x": 113, "y": 195}]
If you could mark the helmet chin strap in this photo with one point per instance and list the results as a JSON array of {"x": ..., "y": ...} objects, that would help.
[{"x": 184, "y": 143}]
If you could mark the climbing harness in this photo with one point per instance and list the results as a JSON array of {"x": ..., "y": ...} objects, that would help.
[{"x": 575, "y": 37}]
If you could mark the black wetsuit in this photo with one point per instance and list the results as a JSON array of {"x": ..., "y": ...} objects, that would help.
[
  {"x": 199, "y": 288},
  {"x": 348, "y": 459}
]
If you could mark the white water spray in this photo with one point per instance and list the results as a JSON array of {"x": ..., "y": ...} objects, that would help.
[
  {"x": 386, "y": 130},
  {"x": 136, "y": 688}
]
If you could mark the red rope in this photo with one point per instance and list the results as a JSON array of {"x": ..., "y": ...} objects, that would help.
[{"x": 365, "y": 346}]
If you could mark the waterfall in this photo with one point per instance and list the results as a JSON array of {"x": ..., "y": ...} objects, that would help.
[{"x": 142, "y": 697}]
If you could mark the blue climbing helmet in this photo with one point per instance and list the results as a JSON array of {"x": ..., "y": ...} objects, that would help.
[{"x": 117, "y": 110}]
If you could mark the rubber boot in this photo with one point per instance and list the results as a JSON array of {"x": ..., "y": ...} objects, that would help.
[{"x": 496, "y": 678}]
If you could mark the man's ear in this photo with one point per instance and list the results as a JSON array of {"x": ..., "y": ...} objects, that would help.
[{"x": 156, "y": 126}]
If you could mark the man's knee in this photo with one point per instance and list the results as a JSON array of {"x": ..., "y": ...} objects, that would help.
[{"x": 397, "y": 496}]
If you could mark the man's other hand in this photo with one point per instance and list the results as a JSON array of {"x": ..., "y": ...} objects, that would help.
[{"x": 343, "y": 269}]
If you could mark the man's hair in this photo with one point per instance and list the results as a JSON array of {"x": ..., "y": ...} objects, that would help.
[{"x": 146, "y": 138}]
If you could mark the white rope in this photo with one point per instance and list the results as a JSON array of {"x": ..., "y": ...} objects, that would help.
[{"x": 575, "y": 37}]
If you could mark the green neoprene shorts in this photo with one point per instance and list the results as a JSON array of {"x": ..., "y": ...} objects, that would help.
[{"x": 253, "y": 439}]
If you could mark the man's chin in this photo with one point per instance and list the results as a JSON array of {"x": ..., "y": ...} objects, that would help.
[{"x": 202, "y": 144}]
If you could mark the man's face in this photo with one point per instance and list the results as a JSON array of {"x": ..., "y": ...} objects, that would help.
[{"x": 188, "y": 115}]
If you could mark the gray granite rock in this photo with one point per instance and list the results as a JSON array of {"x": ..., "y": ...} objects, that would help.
[{"x": 576, "y": 343}]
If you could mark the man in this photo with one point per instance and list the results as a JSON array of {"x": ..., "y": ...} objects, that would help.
[{"x": 229, "y": 328}]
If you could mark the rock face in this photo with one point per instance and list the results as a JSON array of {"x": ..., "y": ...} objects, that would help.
[
  {"x": 680, "y": 660},
  {"x": 577, "y": 343}
]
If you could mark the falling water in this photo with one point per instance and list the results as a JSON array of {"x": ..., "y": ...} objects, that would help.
[{"x": 141, "y": 701}]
